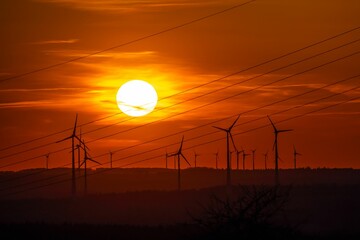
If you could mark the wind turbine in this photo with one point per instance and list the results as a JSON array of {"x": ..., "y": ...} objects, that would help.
[
  {"x": 244, "y": 158},
  {"x": 86, "y": 157},
  {"x": 111, "y": 158},
  {"x": 216, "y": 158},
  {"x": 228, "y": 163},
  {"x": 174, "y": 162},
  {"x": 275, "y": 146},
  {"x": 237, "y": 158},
  {"x": 195, "y": 156},
  {"x": 178, "y": 154},
  {"x": 78, "y": 147},
  {"x": 72, "y": 137},
  {"x": 47, "y": 160},
  {"x": 265, "y": 159},
  {"x": 253, "y": 158},
  {"x": 166, "y": 159},
  {"x": 295, "y": 154}
]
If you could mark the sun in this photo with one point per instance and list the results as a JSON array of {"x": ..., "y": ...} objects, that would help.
[{"x": 136, "y": 98}]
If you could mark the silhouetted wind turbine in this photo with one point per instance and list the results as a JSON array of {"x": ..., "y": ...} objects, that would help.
[
  {"x": 166, "y": 159},
  {"x": 195, "y": 156},
  {"x": 265, "y": 159},
  {"x": 72, "y": 137},
  {"x": 295, "y": 154},
  {"x": 253, "y": 158},
  {"x": 47, "y": 160},
  {"x": 216, "y": 159},
  {"x": 276, "y": 133},
  {"x": 78, "y": 147},
  {"x": 86, "y": 157},
  {"x": 228, "y": 163},
  {"x": 111, "y": 158},
  {"x": 244, "y": 158},
  {"x": 178, "y": 154},
  {"x": 237, "y": 158}
]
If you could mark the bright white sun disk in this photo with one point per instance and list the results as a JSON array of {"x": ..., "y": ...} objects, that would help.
[{"x": 136, "y": 98}]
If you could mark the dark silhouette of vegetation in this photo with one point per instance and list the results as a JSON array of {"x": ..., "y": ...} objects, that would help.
[{"x": 252, "y": 213}]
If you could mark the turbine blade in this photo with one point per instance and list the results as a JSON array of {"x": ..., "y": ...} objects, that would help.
[
  {"x": 185, "y": 159},
  {"x": 94, "y": 161},
  {"x": 273, "y": 146},
  {"x": 234, "y": 123},
  {"x": 82, "y": 163},
  {"x": 64, "y": 139},
  {"x": 74, "y": 130},
  {"x": 182, "y": 141},
  {"x": 272, "y": 123},
  {"x": 285, "y": 130},
  {"x": 233, "y": 142},
  {"x": 222, "y": 129},
  {"x": 173, "y": 154}
]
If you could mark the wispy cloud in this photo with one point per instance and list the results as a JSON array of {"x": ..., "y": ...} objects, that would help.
[
  {"x": 25, "y": 104},
  {"x": 110, "y": 55},
  {"x": 38, "y": 89},
  {"x": 66, "y": 41},
  {"x": 126, "y": 5}
]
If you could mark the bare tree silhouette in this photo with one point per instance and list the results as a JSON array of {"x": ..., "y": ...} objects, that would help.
[{"x": 248, "y": 215}]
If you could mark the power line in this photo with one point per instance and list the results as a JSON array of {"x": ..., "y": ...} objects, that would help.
[
  {"x": 125, "y": 165},
  {"x": 214, "y": 132},
  {"x": 202, "y": 95},
  {"x": 198, "y": 86},
  {"x": 127, "y": 43}
]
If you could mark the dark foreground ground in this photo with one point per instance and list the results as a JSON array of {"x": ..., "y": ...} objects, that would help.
[{"x": 320, "y": 204}]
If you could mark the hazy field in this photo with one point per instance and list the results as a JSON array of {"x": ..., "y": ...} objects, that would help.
[{"x": 323, "y": 202}]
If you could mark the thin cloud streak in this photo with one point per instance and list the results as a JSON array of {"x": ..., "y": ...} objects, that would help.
[
  {"x": 68, "y": 41},
  {"x": 127, "y": 6}
]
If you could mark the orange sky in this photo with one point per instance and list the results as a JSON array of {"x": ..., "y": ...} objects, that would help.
[{"x": 40, "y": 33}]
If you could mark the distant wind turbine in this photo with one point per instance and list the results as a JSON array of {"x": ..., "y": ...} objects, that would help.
[
  {"x": 86, "y": 157},
  {"x": 296, "y": 154},
  {"x": 275, "y": 146},
  {"x": 253, "y": 158},
  {"x": 265, "y": 158},
  {"x": 244, "y": 158},
  {"x": 180, "y": 154},
  {"x": 237, "y": 158},
  {"x": 47, "y": 160},
  {"x": 111, "y": 158},
  {"x": 166, "y": 159},
  {"x": 228, "y": 163},
  {"x": 196, "y": 156},
  {"x": 216, "y": 159},
  {"x": 72, "y": 137}
]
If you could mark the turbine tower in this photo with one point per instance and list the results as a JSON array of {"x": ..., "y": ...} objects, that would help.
[
  {"x": 296, "y": 154},
  {"x": 111, "y": 158},
  {"x": 275, "y": 147},
  {"x": 86, "y": 157},
  {"x": 244, "y": 158},
  {"x": 180, "y": 154},
  {"x": 78, "y": 147},
  {"x": 72, "y": 137},
  {"x": 253, "y": 158},
  {"x": 195, "y": 156},
  {"x": 47, "y": 160},
  {"x": 166, "y": 159},
  {"x": 228, "y": 164},
  {"x": 265, "y": 159},
  {"x": 216, "y": 159},
  {"x": 237, "y": 158}
]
